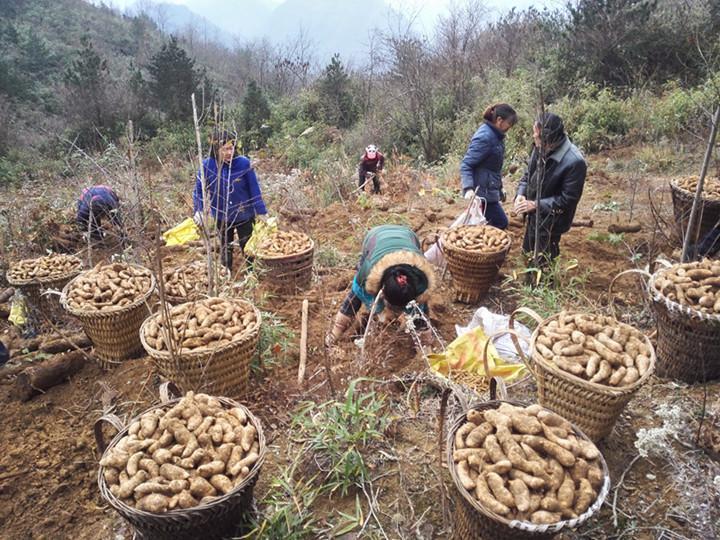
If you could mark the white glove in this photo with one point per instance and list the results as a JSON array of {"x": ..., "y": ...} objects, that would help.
[
  {"x": 469, "y": 194},
  {"x": 197, "y": 218},
  {"x": 262, "y": 217}
]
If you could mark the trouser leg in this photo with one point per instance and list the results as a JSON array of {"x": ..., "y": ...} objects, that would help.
[
  {"x": 495, "y": 215},
  {"x": 376, "y": 183},
  {"x": 226, "y": 237},
  {"x": 361, "y": 179},
  {"x": 548, "y": 245},
  {"x": 244, "y": 232}
]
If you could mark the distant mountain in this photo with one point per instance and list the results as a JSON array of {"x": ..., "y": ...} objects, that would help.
[{"x": 176, "y": 19}]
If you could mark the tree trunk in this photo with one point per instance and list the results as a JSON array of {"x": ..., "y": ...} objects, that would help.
[
  {"x": 38, "y": 378},
  {"x": 58, "y": 345},
  {"x": 6, "y": 295}
]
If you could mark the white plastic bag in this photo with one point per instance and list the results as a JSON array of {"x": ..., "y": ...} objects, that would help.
[
  {"x": 494, "y": 322},
  {"x": 474, "y": 215}
]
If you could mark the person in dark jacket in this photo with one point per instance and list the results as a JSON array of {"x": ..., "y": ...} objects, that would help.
[
  {"x": 393, "y": 261},
  {"x": 232, "y": 193},
  {"x": 95, "y": 204},
  {"x": 551, "y": 205},
  {"x": 372, "y": 161},
  {"x": 481, "y": 168}
]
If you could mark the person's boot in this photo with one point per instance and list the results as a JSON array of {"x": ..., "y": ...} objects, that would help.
[{"x": 340, "y": 325}]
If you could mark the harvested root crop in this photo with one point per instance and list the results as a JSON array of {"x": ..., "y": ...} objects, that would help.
[
  {"x": 189, "y": 281},
  {"x": 693, "y": 284},
  {"x": 182, "y": 457},
  {"x": 711, "y": 187},
  {"x": 209, "y": 323},
  {"x": 595, "y": 348},
  {"x": 283, "y": 244},
  {"x": 534, "y": 478},
  {"x": 108, "y": 287},
  {"x": 43, "y": 268},
  {"x": 482, "y": 238}
]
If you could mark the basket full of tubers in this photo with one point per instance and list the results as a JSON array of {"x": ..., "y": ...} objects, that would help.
[
  {"x": 587, "y": 367},
  {"x": 111, "y": 301},
  {"x": 34, "y": 276},
  {"x": 683, "y": 192},
  {"x": 285, "y": 259},
  {"x": 522, "y": 473},
  {"x": 188, "y": 282},
  {"x": 474, "y": 255},
  {"x": 209, "y": 346},
  {"x": 686, "y": 299},
  {"x": 183, "y": 469}
]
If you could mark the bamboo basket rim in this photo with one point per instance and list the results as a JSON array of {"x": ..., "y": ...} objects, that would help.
[
  {"x": 204, "y": 351},
  {"x": 219, "y": 501},
  {"x": 594, "y": 387},
  {"x": 45, "y": 279},
  {"x": 114, "y": 310},
  {"x": 673, "y": 306},
  {"x": 182, "y": 299},
  {"x": 259, "y": 254},
  {"x": 446, "y": 247},
  {"x": 516, "y": 523},
  {"x": 690, "y": 194}
]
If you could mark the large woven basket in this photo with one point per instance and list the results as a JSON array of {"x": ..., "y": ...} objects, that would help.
[
  {"x": 475, "y": 522},
  {"x": 709, "y": 213},
  {"x": 217, "y": 519},
  {"x": 114, "y": 333},
  {"x": 222, "y": 371},
  {"x": 593, "y": 407},
  {"x": 688, "y": 340},
  {"x": 472, "y": 272},
  {"x": 289, "y": 273},
  {"x": 223, "y": 273},
  {"x": 35, "y": 290}
]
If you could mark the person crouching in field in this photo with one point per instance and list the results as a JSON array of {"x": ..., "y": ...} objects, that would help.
[
  {"x": 371, "y": 163},
  {"x": 560, "y": 189},
  {"x": 96, "y": 204},
  {"x": 233, "y": 194},
  {"x": 393, "y": 262}
]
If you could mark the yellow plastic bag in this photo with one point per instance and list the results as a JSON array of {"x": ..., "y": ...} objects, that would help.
[
  {"x": 465, "y": 353},
  {"x": 182, "y": 233},
  {"x": 18, "y": 312},
  {"x": 261, "y": 229}
]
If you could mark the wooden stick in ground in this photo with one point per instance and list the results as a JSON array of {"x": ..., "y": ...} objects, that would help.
[
  {"x": 303, "y": 342},
  {"x": 698, "y": 191},
  {"x": 38, "y": 378}
]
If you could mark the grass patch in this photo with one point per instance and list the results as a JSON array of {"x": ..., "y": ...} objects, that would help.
[{"x": 276, "y": 339}]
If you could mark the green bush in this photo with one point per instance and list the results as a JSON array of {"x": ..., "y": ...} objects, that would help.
[{"x": 173, "y": 140}]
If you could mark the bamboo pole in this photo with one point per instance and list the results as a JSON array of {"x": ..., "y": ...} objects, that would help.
[{"x": 303, "y": 342}]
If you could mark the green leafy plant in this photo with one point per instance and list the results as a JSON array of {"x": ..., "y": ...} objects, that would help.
[
  {"x": 614, "y": 239},
  {"x": 336, "y": 433},
  {"x": 275, "y": 341},
  {"x": 609, "y": 206}
]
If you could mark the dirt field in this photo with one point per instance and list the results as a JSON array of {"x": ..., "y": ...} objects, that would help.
[{"x": 48, "y": 463}]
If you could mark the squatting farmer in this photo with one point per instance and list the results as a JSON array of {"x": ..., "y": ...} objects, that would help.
[
  {"x": 233, "y": 194},
  {"x": 560, "y": 186},
  {"x": 95, "y": 204},
  {"x": 481, "y": 168},
  {"x": 372, "y": 161},
  {"x": 393, "y": 262}
]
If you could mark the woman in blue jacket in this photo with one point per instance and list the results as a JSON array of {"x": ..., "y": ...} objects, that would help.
[
  {"x": 233, "y": 193},
  {"x": 480, "y": 170}
]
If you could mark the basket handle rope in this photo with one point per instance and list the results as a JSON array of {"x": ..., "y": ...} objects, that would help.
[
  {"x": 514, "y": 335},
  {"x": 644, "y": 273},
  {"x": 168, "y": 390},
  {"x": 111, "y": 419},
  {"x": 497, "y": 384}
]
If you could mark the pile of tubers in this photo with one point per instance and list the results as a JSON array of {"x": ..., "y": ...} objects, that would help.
[
  {"x": 209, "y": 323},
  {"x": 189, "y": 281},
  {"x": 182, "y": 457},
  {"x": 694, "y": 284},
  {"x": 527, "y": 463},
  {"x": 44, "y": 268},
  {"x": 711, "y": 187},
  {"x": 284, "y": 244},
  {"x": 481, "y": 238},
  {"x": 108, "y": 287},
  {"x": 594, "y": 348}
]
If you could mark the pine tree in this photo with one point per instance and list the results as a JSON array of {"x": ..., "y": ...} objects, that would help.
[
  {"x": 255, "y": 114},
  {"x": 337, "y": 103},
  {"x": 173, "y": 79}
]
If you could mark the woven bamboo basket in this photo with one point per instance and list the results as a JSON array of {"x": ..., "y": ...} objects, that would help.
[
  {"x": 114, "y": 333},
  {"x": 224, "y": 274},
  {"x": 34, "y": 290},
  {"x": 472, "y": 272},
  {"x": 222, "y": 371},
  {"x": 472, "y": 521},
  {"x": 217, "y": 519},
  {"x": 593, "y": 407},
  {"x": 682, "y": 204},
  {"x": 290, "y": 273},
  {"x": 688, "y": 340}
]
